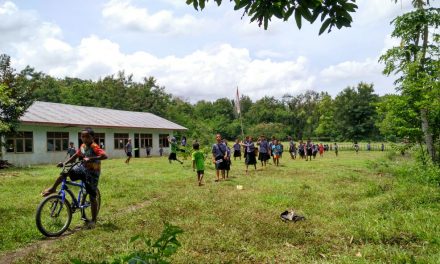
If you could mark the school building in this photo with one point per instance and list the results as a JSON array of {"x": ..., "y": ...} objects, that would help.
[{"x": 47, "y": 128}]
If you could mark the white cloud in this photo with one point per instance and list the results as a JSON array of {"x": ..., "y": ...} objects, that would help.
[
  {"x": 350, "y": 73},
  {"x": 202, "y": 73},
  {"x": 371, "y": 11},
  {"x": 121, "y": 14}
]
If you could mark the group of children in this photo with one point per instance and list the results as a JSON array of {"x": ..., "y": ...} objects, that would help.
[{"x": 92, "y": 154}]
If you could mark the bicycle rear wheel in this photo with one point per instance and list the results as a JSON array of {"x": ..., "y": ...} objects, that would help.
[
  {"x": 53, "y": 216},
  {"x": 86, "y": 211}
]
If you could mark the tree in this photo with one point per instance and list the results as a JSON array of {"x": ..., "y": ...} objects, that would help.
[
  {"x": 355, "y": 114},
  {"x": 326, "y": 110},
  {"x": 416, "y": 60},
  {"x": 333, "y": 13},
  {"x": 15, "y": 95}
]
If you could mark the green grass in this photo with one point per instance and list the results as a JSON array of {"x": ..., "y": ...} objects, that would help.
[{"x": 356, "y": 212}]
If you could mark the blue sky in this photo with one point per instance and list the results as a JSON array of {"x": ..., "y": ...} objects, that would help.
[{"x": 197, "y": 55}]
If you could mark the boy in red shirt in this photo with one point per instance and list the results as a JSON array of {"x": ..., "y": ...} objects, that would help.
[{"x": 88, "y": 171}]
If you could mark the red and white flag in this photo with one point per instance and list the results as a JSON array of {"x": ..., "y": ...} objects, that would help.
[{"x": 237, "y": 102}]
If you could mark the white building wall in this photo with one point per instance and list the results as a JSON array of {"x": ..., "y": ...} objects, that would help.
[{"x": 40, "y": 155}]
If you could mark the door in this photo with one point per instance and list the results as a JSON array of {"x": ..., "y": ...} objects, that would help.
[{"x": 136, "y": 145}]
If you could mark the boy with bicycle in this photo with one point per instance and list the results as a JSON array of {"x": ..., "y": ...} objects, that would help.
[{"x": 88, "y": 171}]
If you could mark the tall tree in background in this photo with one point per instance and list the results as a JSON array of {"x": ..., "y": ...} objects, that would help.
[
  {"x": 416, "y": 60},
  {"x": 355, "y": 112},
  {"x": 15, "y": 94}
]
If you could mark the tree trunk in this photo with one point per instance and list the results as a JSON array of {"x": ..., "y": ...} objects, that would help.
[{"x": 427, "y": 133}]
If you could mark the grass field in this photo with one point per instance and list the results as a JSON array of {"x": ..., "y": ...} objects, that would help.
[{"x": 356, "y": 212}]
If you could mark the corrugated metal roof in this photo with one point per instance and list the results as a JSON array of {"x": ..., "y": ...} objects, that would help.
[{"x": 74, "y": 115}]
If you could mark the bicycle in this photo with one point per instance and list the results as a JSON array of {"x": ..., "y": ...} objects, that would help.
[{"x": 54, "y": 213}]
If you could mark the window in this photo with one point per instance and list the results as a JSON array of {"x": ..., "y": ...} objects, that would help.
[
  {"x": 163, "y": 140},
  {"x": 20, "y": 143},
  {"x": 57, "y": 141},
  {"x": 121, "y": 139},
  {"x": 146, "y": 140},
  {"x": 98, "y": 139}
]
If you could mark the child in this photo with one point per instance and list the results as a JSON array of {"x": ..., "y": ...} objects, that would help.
[
  {"x": 219, "y": 157},
  {"x": 250, "y": 153},
  {"x": 336, "y": 149},
  {"x": 128, "y": 150},
  {"x": 88, "y": 171},
  {"x": 71, "y": 150},
  {"x": 264, "y": 151},
  {"x": 160, "y": 150},
  {"x": 227, "y": 159},
  {"x": 173, "y": 153},
  {"x": 321, "y": 150},
  {"x": 148, "y": 149},
  {"x": 277, "y": 151},
  {"x": 308, "y": 147},
  {"x": 237, "y": 150},
  {"x": 198, "y": 159}
]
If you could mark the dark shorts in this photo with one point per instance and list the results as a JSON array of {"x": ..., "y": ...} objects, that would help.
[
  {"x": 172, "y": 156},
  {"x": 128, "y": 154},
  {"x": 237, "y": 153},
  {"x": 220, "y": 165},
  {"x": 309, "y": 152},
  {"x": 91, "y": 180},
  {"x": 200, "y": 172},
  {"x": 250, "y": 158},
  {"x": 263, "y": 156}
]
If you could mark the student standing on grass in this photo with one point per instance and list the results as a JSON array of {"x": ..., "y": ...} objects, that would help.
[
  {"x": 148, "y": 149},
  {"x": 270, "y": 147},
  {"x": 356, "y": 147},
  {"x": 198, "y": 161},
  {"x": 250, "y": 153},
  {"x": 88, "y": 171},
  {"x": 321, "y": 150},
  {"x": 301, "y": 150},
  {"x": 292, "y": 148},
  {"x": 219, "y": 155},
  {"x": 160, "y": 150},
  {"x": 308, "y": 147},
  {"x": 71, "y": 150},
  {"x": 237, "y": 149},
  {"x": 277, "y": 151},
  {"x": 336, "y": 149},
  {"x": 173, "y": 147},
  {"x": 228, "y": 158},
  {"x": 382, "y": 147},
  {"x": 264, "y": 151},
  {"x": 128, "y": 150}
]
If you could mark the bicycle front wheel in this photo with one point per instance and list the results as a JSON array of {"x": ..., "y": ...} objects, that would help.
[
  {"x": 53, "y": 216},
  {"x": 86, "y": 208}
]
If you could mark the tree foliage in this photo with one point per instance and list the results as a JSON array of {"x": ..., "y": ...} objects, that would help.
[
  {"x": 417, "y": 61},
  {"x": 15, "y": 94},
  {"x": 332, "y": 13}
]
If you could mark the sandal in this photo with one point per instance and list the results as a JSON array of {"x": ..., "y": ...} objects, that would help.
[{"x": 47, "y": 192}]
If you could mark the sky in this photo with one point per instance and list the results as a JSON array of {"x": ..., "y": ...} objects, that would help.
[{"x": 198, "y": 55}]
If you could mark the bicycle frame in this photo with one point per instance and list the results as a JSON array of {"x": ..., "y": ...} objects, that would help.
[{"x": 76, "y": 202}]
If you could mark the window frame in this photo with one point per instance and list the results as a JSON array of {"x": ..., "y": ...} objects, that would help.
[
  {"x": 118, "y": 137},
  {"x": 57, "y": 137},
  {"x": 163, "y": 140},
  {"x": 21, "y": 136},
  {"x": 146, "y": 140}
]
